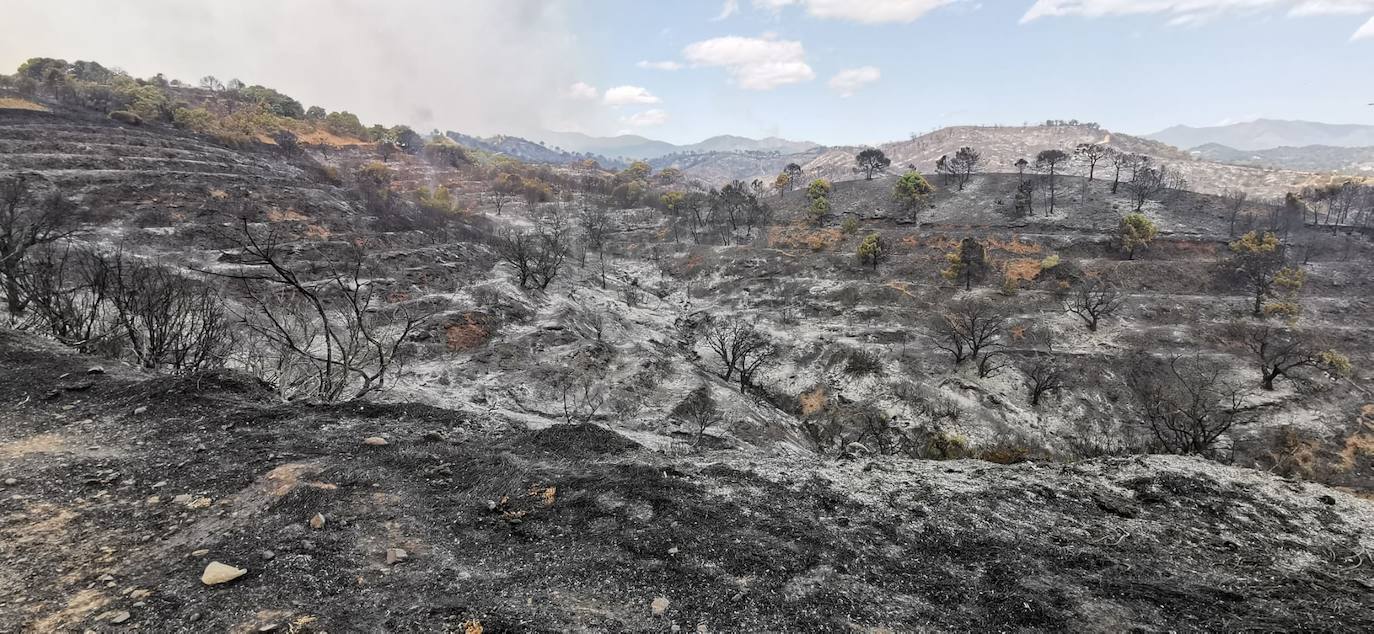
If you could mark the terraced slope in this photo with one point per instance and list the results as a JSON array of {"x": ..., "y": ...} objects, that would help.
[{"x": 131, "y": 170}]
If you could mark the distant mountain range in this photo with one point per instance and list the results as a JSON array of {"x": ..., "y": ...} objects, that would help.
[
  {"x": 1354, "y": 161},
  {"x": 631, "y": 146},
  {"x": 1209, "y": 167},
  {"x": 1264, "y": 134}
]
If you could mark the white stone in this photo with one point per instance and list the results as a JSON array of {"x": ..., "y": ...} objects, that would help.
[{"x": 217, "y": 573}]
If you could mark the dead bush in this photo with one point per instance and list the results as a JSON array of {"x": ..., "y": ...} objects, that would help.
[
  {"x": 863, "y": 363},
  {"x": 699, "y": 412}
]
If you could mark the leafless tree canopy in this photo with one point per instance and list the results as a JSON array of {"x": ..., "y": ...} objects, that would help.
[
  {"x": 1147, "y": 182},
  {"x": 1280, "y": 351},
  {"x": 700, "y": 412},
  {"x": 1187, "y": 402},
  {"x": 537, "y": 256},
  {"x": 27, "y": 221},
  {"x": 741, "y": 348},
  {"x": 168, "y": 320},
  {"x": 67, "y": 292},
  {"x": 1092, "y": 299},
  {"x": 1043, "y": 376},
  {"x": 330, "y": 335},
  {"x": 581, "y": 385},
  {"x": 968, "y": 330},
  {"x": 124, "y": 306},
  {"x": 1050, "y": 162},
  {"x": 963, "y": 165},
  {"x": 1124, "y": 163},
  {"x": 1090, "y": 154},
  {"x": 1235, "y": 201}
]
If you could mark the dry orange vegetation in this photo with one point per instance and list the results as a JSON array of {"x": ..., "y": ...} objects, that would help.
[
  {"x": 1360, "y": 443},
  {"x": 325, "y": 137},
  {"x": 315, "y": 137},
  {"x": 14, "y": 103},
  {"x": 813, "y": 401},
  {"x": 901, "y": 287},
  {"x": 289, "y": 215},
  {"x": 911, "y": 241},
  {"x": 942, "y": 243},
  {"x": 796, "y": 237},
  {"x": 1021, "y": 269},
  {"x": 1015, "y": 246}
]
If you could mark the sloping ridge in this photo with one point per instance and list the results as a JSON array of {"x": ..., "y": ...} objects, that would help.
[{"x": 1001, "y": 146}]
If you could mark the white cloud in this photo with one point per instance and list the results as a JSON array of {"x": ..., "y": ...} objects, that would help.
[
  {"x": 873, "y": 11},
  {"x": 647, "y": 118},
  {"x": 664, "y": 65},
  {"x": 1332, "y": 7},
  {"x": 1192, "y": 12},
  {"x": 773, "y": 5},
  {"x": 850, "y": 80},
  {"x": 627, "y": 95},
  {"x": 862, "y": 11},
  {"x": 582, "y": 90},
  {"x": 754, "y": 63},
  {"x": 731, "y": 7},
  {"x": 1366, "y": 31}
]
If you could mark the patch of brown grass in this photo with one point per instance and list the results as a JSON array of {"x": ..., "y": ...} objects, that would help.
[
  {"x": 1005, "y": 454},
  {"x": 325, "y": 137},
  {"x": 902, "y": 287},
  {"x": 466, "y": 335},
  {"x": 1021, "y": 269},
  {"x": 1015, "y": 246},
  {"x": 290, "y": 215},
  {"x": 693, "y": 263},
  {"x": 1294, "y": 455},
  {"x": 814, "y": 400},
  {"x": 1360, "y": 443},
  {"x": 15, "y": 103},
  {"x": 942, "y": 243}
]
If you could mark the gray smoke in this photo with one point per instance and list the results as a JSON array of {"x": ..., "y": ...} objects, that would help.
[{"x": 477, "y": 66}]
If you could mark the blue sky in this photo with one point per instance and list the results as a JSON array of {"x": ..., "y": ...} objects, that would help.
[
  {"x": 978, "y": 63},
  {"x": 751, "y": 67}
]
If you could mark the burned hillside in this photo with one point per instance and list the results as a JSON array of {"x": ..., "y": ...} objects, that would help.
[{"x": 390, "y": 382}]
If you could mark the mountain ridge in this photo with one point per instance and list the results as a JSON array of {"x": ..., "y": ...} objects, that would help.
[
  {"x": 1263, "y": 134},
  {"x": 633, "y": 146}
]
